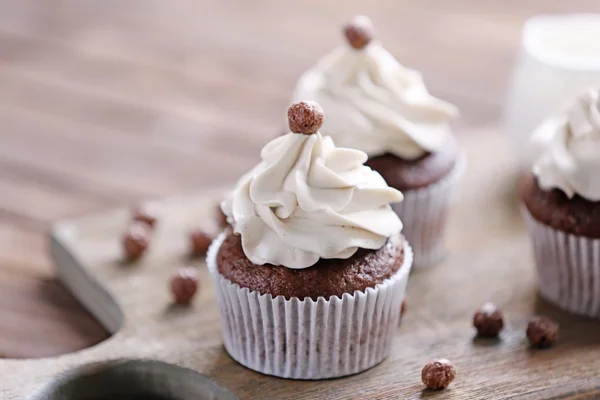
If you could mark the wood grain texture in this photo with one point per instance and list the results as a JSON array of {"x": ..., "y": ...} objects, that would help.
[
  {"x": 104, "y": 103},
  {"x": 489, "y": 260}
]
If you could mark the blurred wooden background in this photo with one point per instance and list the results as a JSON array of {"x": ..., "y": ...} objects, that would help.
[{"x": 106, "y": 102}]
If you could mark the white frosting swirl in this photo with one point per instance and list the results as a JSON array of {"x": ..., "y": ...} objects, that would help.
[
  {"x": 307, "y": 200},
  {"x": 567, "y": 149},
  {"x": 375, "y": 104}
]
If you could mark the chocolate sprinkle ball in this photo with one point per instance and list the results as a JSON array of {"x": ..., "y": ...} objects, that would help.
[
  {"x": 359, "y": 32},
  {"x": 184, "y": 285},
  {"x": 199, "y": 242},
  {"x": 136, "y": 240},
  {"x": 542, "y": 332},
  {"x": 488, "y": 320},
  {"x": 305, "y": 117},
  {"x": 437, "y": 375}
]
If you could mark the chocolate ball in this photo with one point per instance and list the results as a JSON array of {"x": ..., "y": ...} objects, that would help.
[
  {"x": 359, "y": 32},
  {"x": 542, "y": 332},
  {"x": 438, "y": 374},
  {"x": 200, "y": 241},
  {"x": 488, "y": 320},
  {"x": 305, "y": 117},
  {"x": 184, "y": 285},
  {"x": 136, "y": 240}
]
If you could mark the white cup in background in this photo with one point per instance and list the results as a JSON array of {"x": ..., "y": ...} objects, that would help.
[{"x": 559, "y": 58}]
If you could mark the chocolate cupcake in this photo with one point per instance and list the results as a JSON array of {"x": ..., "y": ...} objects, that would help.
[
  {"x": 312, "y": 272},
  {"x": 376, "y": 105},
  {"x": 562, "y": 206}
]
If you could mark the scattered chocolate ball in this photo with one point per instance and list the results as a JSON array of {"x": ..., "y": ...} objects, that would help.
[
  {"x": 184, "y": 285},
  {"x": 542, "y": 332},
  {"x": 147, "y": 213},
  {"x": 359, "y": 32},
  {"x": 305, "y": 117},
  {"x": 221, "y": 217},
  {"x": 488, "y": 320},
  {"x": 136, "y": 240},
  {"x": 438, "y": 374},
  {"x": 200, "y": 241}
]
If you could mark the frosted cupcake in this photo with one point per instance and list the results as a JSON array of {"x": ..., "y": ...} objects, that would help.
[
  {"x": 311, "y": 274},
  {"x": 562, "y": 206},
  {"x": 376, "y": 105}
]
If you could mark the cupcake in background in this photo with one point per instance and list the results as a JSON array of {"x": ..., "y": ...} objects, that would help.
[
  {"x": 376, "y": 105},
  {"x": 562, "y": 206},
  {"x": 311, "y": 274}
]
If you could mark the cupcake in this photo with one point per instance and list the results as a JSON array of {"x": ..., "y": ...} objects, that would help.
[
  {"x": 562, "y": 206},
  {"x": 311, "y": 273},
  {"x": 376, "y": 105}
]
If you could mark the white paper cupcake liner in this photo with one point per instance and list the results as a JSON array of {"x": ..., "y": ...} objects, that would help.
[
  {"x": 307, "y": 339},
  {"x": 424, "y": 213},
  {"x": 568, "y": 267}
]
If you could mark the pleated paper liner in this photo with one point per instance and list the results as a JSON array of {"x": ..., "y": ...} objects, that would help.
[
  {"x": 424, "y": 213},
  {"x": 568, "y": 267},
  {"x": 307, "y": 339}
]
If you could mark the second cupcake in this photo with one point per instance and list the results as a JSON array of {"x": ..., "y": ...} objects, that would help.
[
  {"x": 311, "y": 275},
  {"x": 376, "y": 105}
]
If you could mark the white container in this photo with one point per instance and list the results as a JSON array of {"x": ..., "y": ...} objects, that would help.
[{"x": 559, "y": 58}]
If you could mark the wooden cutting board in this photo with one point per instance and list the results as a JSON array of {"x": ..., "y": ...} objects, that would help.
[{"x": 489, "y": 259}]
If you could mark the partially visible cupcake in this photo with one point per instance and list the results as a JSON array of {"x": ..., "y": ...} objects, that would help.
[
  {"x": 311, "y": 274},
  {"x": 376, "y": 105},
  {"x": 562, "y": 206}
]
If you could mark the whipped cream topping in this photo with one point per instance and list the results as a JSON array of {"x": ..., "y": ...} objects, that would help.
[
  {"x": 375, "y": 104},
  {"x": 307, "y": 200},
  {"x": 567, "y": 149}
]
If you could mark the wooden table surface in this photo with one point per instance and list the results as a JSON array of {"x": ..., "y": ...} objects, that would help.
[{"x": 107, "y": 102}]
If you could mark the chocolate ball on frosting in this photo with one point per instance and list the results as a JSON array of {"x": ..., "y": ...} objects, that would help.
[
  {"x": 359, "y": 31},
  {"x": 305, "y": 117}
]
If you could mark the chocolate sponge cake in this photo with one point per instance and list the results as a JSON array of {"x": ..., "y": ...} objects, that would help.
[
  {"x": 577, "y": 215},
  {"x": 332, "y": 277},
  {"x": 406, "y": 175}
]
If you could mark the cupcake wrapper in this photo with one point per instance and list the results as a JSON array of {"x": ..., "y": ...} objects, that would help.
[
  {"x": 307, "y": 339},
  {"x": 424, "y": 213},
  {"x": 568, "y": 267}
]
